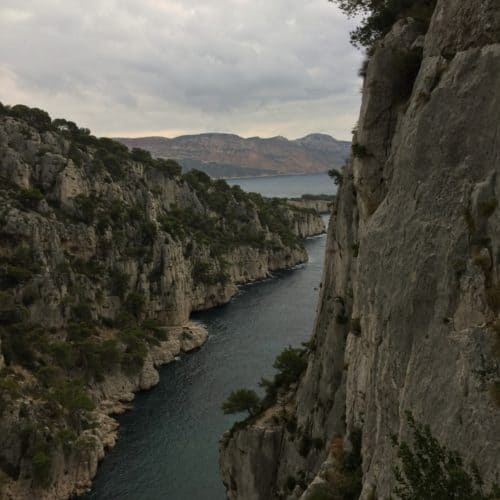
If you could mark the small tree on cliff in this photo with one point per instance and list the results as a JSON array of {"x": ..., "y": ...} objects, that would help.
[
  {"x": 431, "y": 471},
  {"x": 380, "y": 15},
  {"x": 241, "y": 400}
]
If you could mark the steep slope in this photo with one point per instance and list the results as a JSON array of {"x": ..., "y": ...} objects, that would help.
[
  {"x": 408, "y": 318},
  {"x": 103, "y": 256},
  {"x": 228, "y": 155}
]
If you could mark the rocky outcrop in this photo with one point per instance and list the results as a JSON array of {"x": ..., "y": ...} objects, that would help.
[
  {"x": 409, "y": 309},
  {"x": 228, "y": 155},
  {"x": 74, "y": 469},
  {"x": 104, "y": 254},
  {"x": 319, "y": 205}
]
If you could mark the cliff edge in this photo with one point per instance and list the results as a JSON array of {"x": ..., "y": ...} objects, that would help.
[
  {"x": 104, "y": 253},
  {"x": 408, "y": 318}
]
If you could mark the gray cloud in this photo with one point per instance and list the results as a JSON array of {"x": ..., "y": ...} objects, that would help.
[{"x": 130, "y": 67}]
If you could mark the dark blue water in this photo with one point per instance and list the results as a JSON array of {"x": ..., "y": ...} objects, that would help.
[
  {"x": 168, "y": 443},
  {"x": 287, "y": 186}
]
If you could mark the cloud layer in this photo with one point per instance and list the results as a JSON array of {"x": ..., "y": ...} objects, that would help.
[{"x": 130, "y": 67}]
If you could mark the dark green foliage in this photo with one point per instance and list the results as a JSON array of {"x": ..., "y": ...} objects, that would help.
[
  {"x": 290, "y": 364},
  {"x": 203, "y": 272},
  {"x": 320, "y": 197},
  {"x": 80, "y": 331},
  {"x": 141, "y": 155},
  {"x": 136, "y": 350},
  {"x": 380, "y": 15},
  {"x": 336, "y": 176},
  {"x": 11, "y": 276},
  {"x": 62, "y": 354},
  {"x": 431, "y": 471},
  {"x": 72, "y": 396},
  {"x": 29, "y": 198},
  {"x": 90, "y": 268},
  {"x": 197, "y": 179},
  {"x": 148, "y": 231},
  {"x": 169, "y": 167},
  {"x": 86, "y": 206},
  {"x": 41, "y": 463},
  {"x": 35, "y": 117},
  {"x": 359, "y": 151},
  {"x": 118, "y": 283},
  {"x": 134, "y": 303},
  {"x": 18, "y": 344},
  {"x": 98, "y": 358},
  {"x": 240, "y": 401},
  {"x": 81, "y": 312}
]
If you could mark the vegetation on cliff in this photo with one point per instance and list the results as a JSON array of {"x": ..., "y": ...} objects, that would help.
[
  {"x": 380, "y": 15},
  {"x": 100, "y": 247}
]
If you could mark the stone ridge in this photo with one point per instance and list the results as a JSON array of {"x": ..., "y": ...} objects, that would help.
[
  {"x": 103, "y": 256},
  {"x": 228, "y": 155},
  {"x": 408, "y": 318}
]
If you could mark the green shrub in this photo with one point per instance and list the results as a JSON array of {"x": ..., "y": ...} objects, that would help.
[
  {"x": 240, "y": 401},
  {"x": 72, "y": 396},
  {"x": 35, "y": 117},
  {"x": 134, "y": 357},
  {"x": 92, "y": 268},
  {"x": 379, "y": 17},
  {"x": 118, "y": 283},
  {"x": 359, "y": 151},
  {"x": 170, "y": 167},
  {"x": 62, "y": 354},
  {"x": 290, "y": 364},
  {"x": 134, "y": 303},
  {"x": 141, "y": 155},
  {"x": 148, "y": 230},
  {"x": 41, "y": 463},
  {"x": 80, "y": 331},
  {"x": 81, "y": 312},
  {"x": 431, "y": 471},
  {"x": 86, "y": 206},
  {"x": 11, "y": 276},
  {"x": 29, "y": 198},
  {"x": 336, "y": 176}
]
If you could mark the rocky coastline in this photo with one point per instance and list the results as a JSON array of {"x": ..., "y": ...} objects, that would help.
[{"x": 104, "y": 254}]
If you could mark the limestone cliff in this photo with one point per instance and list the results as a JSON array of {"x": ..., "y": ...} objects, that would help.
[
  {"x": 409, "y": 310},
  {"x": 104, "y": 253}
]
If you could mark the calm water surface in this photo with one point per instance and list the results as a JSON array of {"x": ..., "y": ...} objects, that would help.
[
  {"x": 287, "y": 186},
  {"x": 168, "y": 443}
]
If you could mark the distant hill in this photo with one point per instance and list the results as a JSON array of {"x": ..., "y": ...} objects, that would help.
[{"x": 228, "y": 155}]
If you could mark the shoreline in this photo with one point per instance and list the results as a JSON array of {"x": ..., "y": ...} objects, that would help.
[
  {"x": 150, "y": 376},
  {"x": 266, "y": 176}
]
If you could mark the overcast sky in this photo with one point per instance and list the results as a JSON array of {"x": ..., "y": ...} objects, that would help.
[{"x": 169, "y": 67}]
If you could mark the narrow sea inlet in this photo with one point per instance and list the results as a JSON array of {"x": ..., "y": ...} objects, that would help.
[{"x": 168, "y": 442}]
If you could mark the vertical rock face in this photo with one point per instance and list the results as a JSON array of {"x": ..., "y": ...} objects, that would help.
[{"x": 409, "y": 310}]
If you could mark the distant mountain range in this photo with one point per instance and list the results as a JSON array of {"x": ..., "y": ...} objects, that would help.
[{"x": 228, "y": 155}]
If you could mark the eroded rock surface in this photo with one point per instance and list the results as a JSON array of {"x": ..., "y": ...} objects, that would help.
[
  {"x": 409, "y": 308},
  {"x": 104, "y": 254}
]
